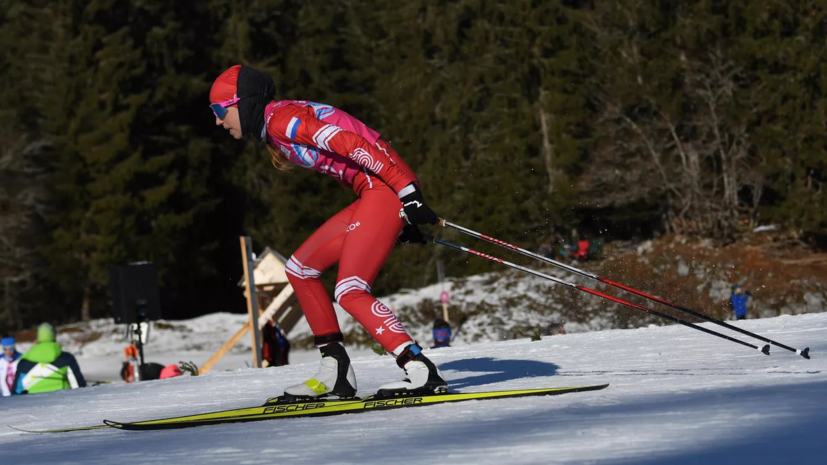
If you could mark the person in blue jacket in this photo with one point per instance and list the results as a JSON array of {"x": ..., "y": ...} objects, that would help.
[
  {"x": 738, "y": 302},
  {"x": 442, "y": 334}
]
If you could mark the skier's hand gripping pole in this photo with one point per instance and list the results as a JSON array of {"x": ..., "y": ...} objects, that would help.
[
  {"x": 804, "y": 353},
  {"x": 414, "y": 209},
  {"x": 765, "y": 349}
]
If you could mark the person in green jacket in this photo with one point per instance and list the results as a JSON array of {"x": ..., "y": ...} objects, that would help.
[{"x": 46, "y": 367}]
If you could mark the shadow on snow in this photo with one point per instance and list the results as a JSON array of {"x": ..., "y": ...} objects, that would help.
[{"x": 495, "y": 371}]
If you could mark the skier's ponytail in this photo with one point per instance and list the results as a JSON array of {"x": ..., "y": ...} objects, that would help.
[{"x": 278, "y": 158}]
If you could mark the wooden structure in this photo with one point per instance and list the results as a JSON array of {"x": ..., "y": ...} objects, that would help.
[
  {"x": 271, "y": 291},
  {"x": 248, "y": 260}
]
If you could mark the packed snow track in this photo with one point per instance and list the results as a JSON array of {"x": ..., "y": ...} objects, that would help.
[{"x": 677, "y": 396}]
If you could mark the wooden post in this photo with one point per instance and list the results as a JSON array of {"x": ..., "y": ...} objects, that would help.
[
  {"x": 283, "y": 301},
  {"x": 252, "y": 300},
  {"x": 440, "y": 273},
  {"x": 224, "y": 349}
]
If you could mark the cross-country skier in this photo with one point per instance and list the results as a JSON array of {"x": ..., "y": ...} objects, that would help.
[{"x": 389, "y": 207}]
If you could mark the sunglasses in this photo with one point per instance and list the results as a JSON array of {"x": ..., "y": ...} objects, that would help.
[
  {"x": 7, "y": 348},
  {"x": 220, "y": 109}
]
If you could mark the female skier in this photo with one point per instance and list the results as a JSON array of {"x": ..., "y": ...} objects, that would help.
[{"x": 360, "y": 237}]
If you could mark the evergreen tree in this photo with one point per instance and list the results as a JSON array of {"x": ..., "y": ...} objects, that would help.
[
  {"x": 783, "y": 45},
  {"x": 131, "y": 175},
  {"x": 98, "y": 169},
  {"x": 693, "y": 116},
  {"x": 194, "y": 229},
  {"x": 474, "y": 98}
]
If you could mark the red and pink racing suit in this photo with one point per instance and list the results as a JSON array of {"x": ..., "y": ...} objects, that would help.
[{"x": 360, "y": 237}]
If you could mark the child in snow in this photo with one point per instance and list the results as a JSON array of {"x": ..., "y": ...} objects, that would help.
[
  {"x": 388, "y": 208},
  {"x": 738, "y": 302},
  {"x": 8, "y": 365}
]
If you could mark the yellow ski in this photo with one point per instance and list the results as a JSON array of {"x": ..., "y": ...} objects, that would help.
[
  {"x": 64, "y": 430},
  {"x": 270, "y": 402},
  {"x": 313, "y": 409}
]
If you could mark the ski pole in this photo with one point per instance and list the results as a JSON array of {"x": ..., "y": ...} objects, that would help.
[
  {"x": 765, "y": 350},
  {"x": 804, "y": 353}
]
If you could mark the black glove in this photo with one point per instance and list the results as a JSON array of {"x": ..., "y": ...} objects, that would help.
[
  {"x": 414, "y": 208},
  {"x": 411, "y": 235}
]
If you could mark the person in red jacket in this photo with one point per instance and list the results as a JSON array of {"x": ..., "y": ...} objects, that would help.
[{"x": 388, "y": 208}]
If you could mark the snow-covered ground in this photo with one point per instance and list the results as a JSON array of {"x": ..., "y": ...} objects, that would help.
[
  {"x": 194, "y": 340},
  {"x": 677, "y": 396}
]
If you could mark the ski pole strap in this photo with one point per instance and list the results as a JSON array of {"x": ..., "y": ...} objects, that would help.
[
  {"x": 408, "y": 354},
  {"x": 328, "y": 339}
]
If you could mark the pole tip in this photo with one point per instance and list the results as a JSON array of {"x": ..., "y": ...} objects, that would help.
[
  {"x": 805, "y": 353},
  {"x": 766, "y": 349}
]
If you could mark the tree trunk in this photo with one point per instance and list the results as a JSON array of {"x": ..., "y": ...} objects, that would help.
[
  {"x": 548, "y": 148},
  {"x": 7, "y": 305},
  {"x": 84, "y": 309}
]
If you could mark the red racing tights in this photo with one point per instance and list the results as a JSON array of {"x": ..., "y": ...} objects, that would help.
[{"x": 360, "y": 238}]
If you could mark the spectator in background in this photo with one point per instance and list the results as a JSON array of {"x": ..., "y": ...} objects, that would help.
[
  {"x": 46, "y": 367},
  {"x": 149, "y": 371},
  {"x": 738, "y": 302},
  {"x": 546, "y": 249},
  {"x": 556, "y": 328},
  {"x": 275, "y": 348},
  {"x": 442, "y": 334},
  {"x": 568, "y": 251},
  {"x": 8, "y": 365},
  {"x": 170, "y": 371},
  {"x": 569, "y": 248}
]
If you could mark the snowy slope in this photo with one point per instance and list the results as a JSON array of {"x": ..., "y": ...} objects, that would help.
[
  {"x": 194, "y": 340},
  {"x": 498, "y": 306},
  {"x": 487, "y": 300},
  {"x": 676, "y": 396}
]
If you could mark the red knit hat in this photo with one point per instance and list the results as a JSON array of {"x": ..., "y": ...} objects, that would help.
[{"x": 225, "y": 86}]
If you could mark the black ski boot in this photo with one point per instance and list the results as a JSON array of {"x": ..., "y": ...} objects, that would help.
[
  {"x": 423, "y": 378},
  {"x": 335, "y": 377}
]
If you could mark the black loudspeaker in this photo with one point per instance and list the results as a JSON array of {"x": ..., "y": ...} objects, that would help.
[{"x": 134, "y": 290}]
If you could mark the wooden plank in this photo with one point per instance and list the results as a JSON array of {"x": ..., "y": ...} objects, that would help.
[
  {"x": 289, "y": 321},
  {"x": 277, "y": 306},
  {"x": 223, "y": 350},
  {"x": 281, "y": 303},
  {"x": 252, "y": 300},
  {"x": 293, "y": 301},
  {"x": 270, "y": 288}
]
